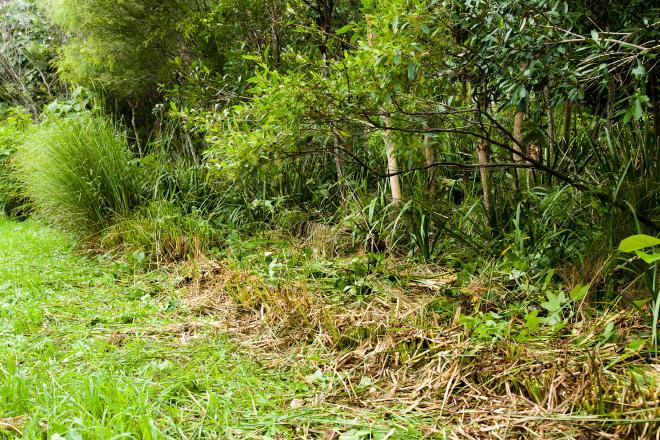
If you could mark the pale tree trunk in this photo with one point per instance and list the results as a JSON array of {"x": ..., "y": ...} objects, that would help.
[
  {"x": 338, "y": 164},
  {"x": 655, "y": 101},
  {"x": 392, "y": 166},
  {"x": 132, "y": 104},
  {"x": 567, "y": 127},
  {"x": 191, "y": 148},
  {"x": 483, "y": 155},
  {"x": 552, "y": 136},
  {"x": 518, "y": 147},
  {"x": 430, "y": 160}
]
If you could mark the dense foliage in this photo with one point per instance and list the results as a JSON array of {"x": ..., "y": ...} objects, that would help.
[
  {"x": 503, "y": 155},
  {"x": 420, "y": 126}
]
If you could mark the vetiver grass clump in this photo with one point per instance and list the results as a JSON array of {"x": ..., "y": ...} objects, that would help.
[{"x": 78, "y": 172}]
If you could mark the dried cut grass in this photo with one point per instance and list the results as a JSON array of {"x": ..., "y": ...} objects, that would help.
[
  {"x": 394, "y": 352},
  {"x": 13, "y": 425}
]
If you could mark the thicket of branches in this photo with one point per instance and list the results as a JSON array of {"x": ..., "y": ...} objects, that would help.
[{"x": 419, "y": 125}]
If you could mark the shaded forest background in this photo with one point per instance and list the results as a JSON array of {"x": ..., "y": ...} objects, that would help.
[{"x": 524, "y": 133}]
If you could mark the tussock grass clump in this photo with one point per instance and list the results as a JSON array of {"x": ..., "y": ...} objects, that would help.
[
  {"x": 78, "y": 172},
  {"x": 162, "y": 231}
]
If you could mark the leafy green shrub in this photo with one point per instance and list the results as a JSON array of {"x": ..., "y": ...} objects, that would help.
[
  {"x": 162, "y": 231},
  {"x": 13, "y": 123},
  {"x": 78, "y": 172}
]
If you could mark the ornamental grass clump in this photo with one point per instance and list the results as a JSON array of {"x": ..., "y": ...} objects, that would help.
[{"x": 78, "y": 172}]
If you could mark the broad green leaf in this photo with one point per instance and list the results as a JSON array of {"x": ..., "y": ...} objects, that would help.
[
  {"x": 636, "y": 242},
  {"x": 607, "y": 332},
  {"x": 396, "y": 58},
  {"x": 639, "y": 304},
  {"x": 532, "y": 321},
  {"x": 554, "y": 303},
  {"x": 344, "y": 29},
  {"x": 648, "y": 258},
  {"x": 636, "y": 345},
  {"x": 579, "y": 292},
  {"x": 637, "y": 110}
]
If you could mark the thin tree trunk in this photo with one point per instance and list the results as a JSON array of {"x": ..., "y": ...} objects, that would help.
[
  {"x": 430, "y": 159},
  {"x": 483, "y": 155},
  {"x": 655, "y": 101},
  {"x": 326, "y": 25},
  {"x": 610, "y": 105},
  {"x": 191, "y": 147},
  {"x": 392, "y": 166},
  {"x": 518, "y": 146},
  {"x": 552, "y": 135},
  {"x": 338, "y": 164},
  {"x": 134, "y": 125},
  {"x": 567, "y": 126}
]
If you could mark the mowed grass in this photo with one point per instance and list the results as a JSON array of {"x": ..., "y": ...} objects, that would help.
[{"x": 90, "y": 350}]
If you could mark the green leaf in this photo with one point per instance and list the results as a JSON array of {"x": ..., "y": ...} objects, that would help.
[
  {"x": 636, "y": 242},
  {"x": 635, "y": 345},
  {"x": 637, "y": 110},
  {"x": 555, "y": 302},
  {"x": 607, "y": 332},
  {"x": 412, "y": 70},
  {"x": 648, "y": 258},
  {"x": 532, "y": 321},
  {"x": 579, "y": 292},
  {"x": 397, "y": 57},
  {"x": 640, "y": 303},
  {"x": 639, "y": 71},
  {"x": 344, "y": 29}
]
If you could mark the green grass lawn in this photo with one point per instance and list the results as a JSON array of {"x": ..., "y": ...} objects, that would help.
[{"x": 65, "y": 372}]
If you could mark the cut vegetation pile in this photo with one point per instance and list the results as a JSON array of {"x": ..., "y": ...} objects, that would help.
[{"x": 593, "y": 378}]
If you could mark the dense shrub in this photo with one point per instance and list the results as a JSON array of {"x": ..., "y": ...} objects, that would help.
[{"x": 78, "y": 172}]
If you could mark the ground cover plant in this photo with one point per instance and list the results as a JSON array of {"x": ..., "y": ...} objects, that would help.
[{"x": 408, "y": 218}]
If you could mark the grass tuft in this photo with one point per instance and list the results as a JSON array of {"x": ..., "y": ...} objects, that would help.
[{"x": 78, "y": 172}]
